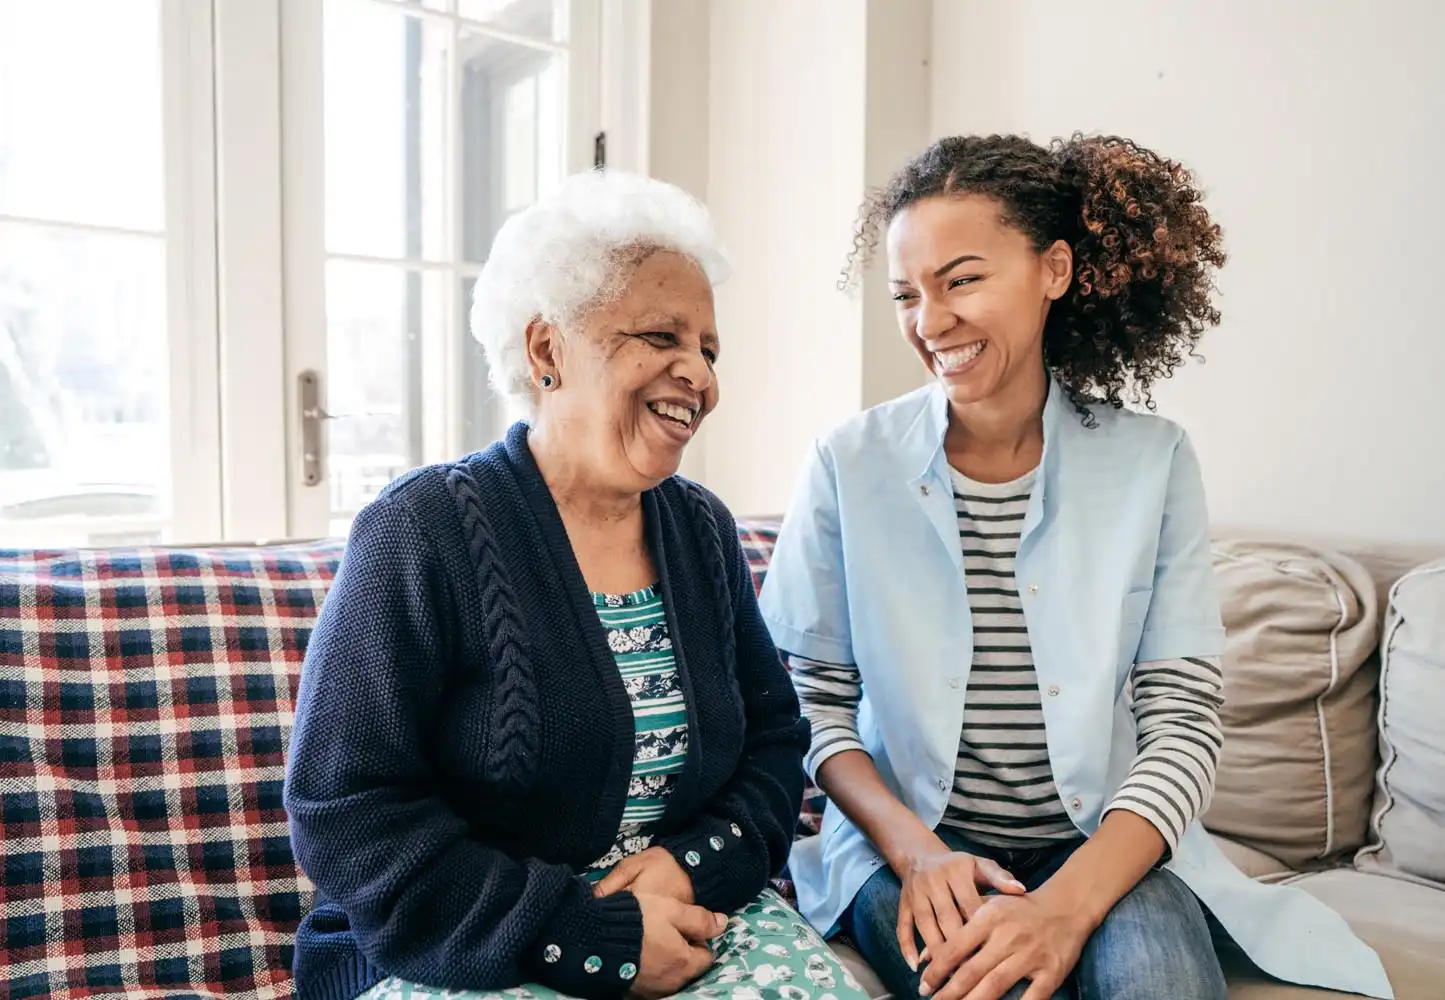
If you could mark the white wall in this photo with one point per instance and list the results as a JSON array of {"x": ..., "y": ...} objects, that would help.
[
  {"x": 1317, "y": 130},
  {"x": 677, "y": 121},
  {"x": 808, "y": 100},
  {"x": 785, "y": 169}
]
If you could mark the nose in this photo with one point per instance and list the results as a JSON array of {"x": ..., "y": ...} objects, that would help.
[
  {"x": 932, "y": 320},
  {"x": 693, "y": 368}
]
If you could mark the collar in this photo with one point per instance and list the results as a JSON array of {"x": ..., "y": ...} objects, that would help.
[
  {"x": 922, "y": 446},
  {"x": 922, "y": 442}
]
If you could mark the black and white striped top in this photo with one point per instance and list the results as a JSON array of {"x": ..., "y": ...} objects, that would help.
[
  {"x": 1003, "y": 784},
  {"x": 1004, "y": 790}
]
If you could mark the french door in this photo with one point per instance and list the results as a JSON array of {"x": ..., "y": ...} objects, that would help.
[
  {"x": 410, "y": 133},
  {"x": 238, "y": 239}
]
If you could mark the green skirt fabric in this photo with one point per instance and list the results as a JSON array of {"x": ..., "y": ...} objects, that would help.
[{"x": 768, "y": 952}]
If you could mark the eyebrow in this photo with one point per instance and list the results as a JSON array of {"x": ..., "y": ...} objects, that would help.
[
  {"x": 963, "y": 259},
  {"x": 660, "y": 321}
]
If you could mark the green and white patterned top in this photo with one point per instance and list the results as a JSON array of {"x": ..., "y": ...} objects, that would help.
[{"x": 636, "y": 627}]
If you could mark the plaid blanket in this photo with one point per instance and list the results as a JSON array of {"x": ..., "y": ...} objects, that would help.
[
  {"x": 146, "y": 701},
  {"x": 145, "y": 707}
]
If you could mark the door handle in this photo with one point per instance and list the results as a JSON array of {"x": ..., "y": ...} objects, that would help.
[
  {"x": 313, "y": 414},
  {"x": 308, "y": 388}
]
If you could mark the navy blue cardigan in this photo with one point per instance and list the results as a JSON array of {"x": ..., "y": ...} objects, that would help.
[{"x": 463, "y": 740}]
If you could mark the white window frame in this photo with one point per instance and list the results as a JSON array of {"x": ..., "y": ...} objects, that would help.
[
  {"x": 238, "y": 329},
  {"x": 271, "y": 289},
  {"x": 193, "y": 504}
]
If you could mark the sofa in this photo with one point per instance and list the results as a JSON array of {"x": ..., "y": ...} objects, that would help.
[{"x": 146, "y": 698}]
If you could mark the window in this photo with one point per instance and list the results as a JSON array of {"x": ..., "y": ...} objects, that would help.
[
  {"x": 234, "y": 288},
  {"x": 96, "y": 273}
]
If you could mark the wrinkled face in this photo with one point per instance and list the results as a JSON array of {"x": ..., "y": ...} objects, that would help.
[
  {"x": 634, "y": 375},
  {"x": 972, "y": 293}
]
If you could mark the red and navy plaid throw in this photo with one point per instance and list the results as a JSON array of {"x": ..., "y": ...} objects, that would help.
[
  {"x": 145, "y": 707},
  {"x": 759, "y": 536},
  {"x": 146, "y": 698}
]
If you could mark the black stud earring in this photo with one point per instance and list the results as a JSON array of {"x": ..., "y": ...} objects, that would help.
[{"x": 548, "y": 381}]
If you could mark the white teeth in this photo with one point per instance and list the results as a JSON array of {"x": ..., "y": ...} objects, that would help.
[
  {"x": 958, "y": 357},
  {"x": 672, "y": 411}
]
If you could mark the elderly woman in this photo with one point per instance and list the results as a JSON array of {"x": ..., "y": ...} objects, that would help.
[
  {"x": 543, "y": 737},
  {"x": 997, "y": 591}
]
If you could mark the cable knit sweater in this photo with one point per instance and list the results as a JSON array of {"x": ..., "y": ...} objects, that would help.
[{"x": 463, "y": 739}]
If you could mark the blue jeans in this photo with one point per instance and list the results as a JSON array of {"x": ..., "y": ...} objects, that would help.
[{"x": 1155, "y": 943}]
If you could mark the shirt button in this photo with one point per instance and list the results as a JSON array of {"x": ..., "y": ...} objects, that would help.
[
  {"x": 953, "y": 683},
  {"x": 942, "y": 785},
  {"x": 923, "y": 489},
  {"x": 1053, "y": 690},
  {"x": 1075, "y": 804},
  {"x": 1033, "y": 588}
]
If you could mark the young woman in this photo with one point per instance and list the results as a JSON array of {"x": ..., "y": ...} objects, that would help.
[{"x": 997, "y": 596}]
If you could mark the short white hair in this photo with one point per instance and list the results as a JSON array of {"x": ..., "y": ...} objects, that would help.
[{"x": 569, "y": 252}]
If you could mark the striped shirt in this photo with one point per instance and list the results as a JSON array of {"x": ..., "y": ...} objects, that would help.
[
  {"x": 636, "y": 627},
  {"x": 1004, "y": 792},
  {"x": 1003, "y": 785}
]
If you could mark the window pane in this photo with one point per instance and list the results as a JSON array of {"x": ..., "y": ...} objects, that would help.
[
  {"x": 386, "y": 122},
  {"x": 513, "y": 135},
  {"x": 84, "y": 423},
  {"x": 533, "y": 18},
  {"x": 80, "y": 112},
  {"x": 376, "y": 316}
]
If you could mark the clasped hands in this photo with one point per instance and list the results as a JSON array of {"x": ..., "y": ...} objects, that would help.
[
  {"x": 675, "y": 931},
  {"x": 978, "y": 947}
]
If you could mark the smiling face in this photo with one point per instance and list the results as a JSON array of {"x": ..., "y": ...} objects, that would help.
[
  {"x": 634, "y": 375},
  {"x": 972, "y": 293}
]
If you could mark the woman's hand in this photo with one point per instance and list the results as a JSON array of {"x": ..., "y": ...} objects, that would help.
[
  {"x": 940, "y": 892},
  {"x": 675, "y": 948},
  {"x": 1007, "y": 940},
  {"x": 653, "y": 872}
]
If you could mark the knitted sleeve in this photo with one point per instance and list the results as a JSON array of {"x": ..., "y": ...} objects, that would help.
[
  {"x": 745, "y": 833},
  {"x": 424, "y": 900}
]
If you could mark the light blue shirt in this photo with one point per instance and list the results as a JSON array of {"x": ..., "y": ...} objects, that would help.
[{"x": 1113, "y": 568}]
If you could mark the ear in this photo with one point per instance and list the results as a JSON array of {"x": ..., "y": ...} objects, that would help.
[
  {"x": 1057, "y": 261},
  {"x": 544, "y": 349}
]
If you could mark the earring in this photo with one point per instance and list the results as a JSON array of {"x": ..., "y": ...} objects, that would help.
[{"x": 548, "y": 381}]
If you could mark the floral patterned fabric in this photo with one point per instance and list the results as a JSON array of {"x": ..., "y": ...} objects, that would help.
[
  {"x": 636, "y": 626},
  {"x": 768, "y": 952}
]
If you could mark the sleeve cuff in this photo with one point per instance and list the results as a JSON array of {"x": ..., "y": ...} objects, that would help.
[
  {"x": 1128, "y": 801},
  {"x": 806, "y": 644},
  {"x": 816, "y": 758},
  {"x": 590, "y": 948},
  {"x": 1177, "y": 643},
  {"x": 716, "y": 855}
]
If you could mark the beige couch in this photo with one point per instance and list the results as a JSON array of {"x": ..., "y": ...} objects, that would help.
[{"x": 1333, "y": 775}]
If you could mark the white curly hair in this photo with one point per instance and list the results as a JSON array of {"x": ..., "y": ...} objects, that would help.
[{"x": 570, "y": 252}]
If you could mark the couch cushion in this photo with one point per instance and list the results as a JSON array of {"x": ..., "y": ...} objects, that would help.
[
  {"x": 1408, "y": 827},
  {"x": 1254, "y": 863},
  {"x": 146, "y": 709},
  {"x": 1297, "y": 772},
  {"x": 854, "y": 963},
  {"x": 1403, "y": 922}
]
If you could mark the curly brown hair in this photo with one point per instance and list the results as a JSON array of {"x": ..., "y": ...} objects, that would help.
[{"x": 1145, "y": 249}]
